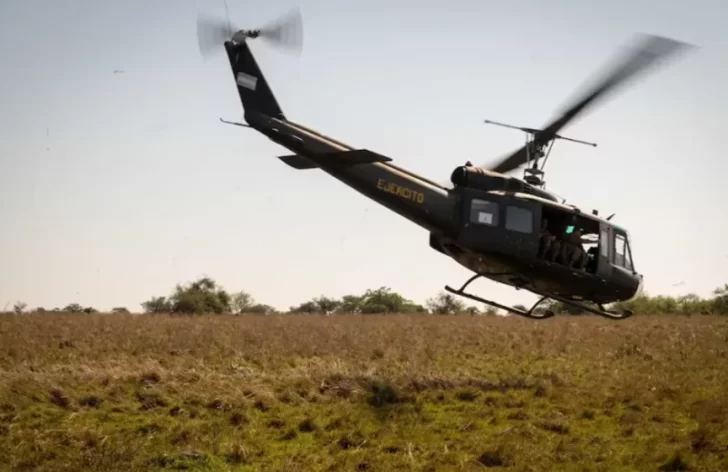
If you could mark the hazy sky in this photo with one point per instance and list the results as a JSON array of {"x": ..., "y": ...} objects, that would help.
[{"x": 117, "y": 186}]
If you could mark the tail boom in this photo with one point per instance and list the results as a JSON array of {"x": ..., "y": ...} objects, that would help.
[
  {"x": 418, "y": 199},
  {"x": 411, "y": 196}
]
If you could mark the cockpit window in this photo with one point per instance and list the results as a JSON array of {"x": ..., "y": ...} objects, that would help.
[
  {"x": 628, "y": 257},
  {"x": 619, "y": 246},
  {"x": 622, "y": 251}
]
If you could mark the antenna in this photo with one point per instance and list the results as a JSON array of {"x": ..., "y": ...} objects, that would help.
[
  {"x": 535, "y": 150},
  {"x": 227, "y": 14}
]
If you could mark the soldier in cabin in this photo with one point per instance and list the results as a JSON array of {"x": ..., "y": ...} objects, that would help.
[
  {"x": 573, "y": 254},
  {"x": 546, "y": 240}
]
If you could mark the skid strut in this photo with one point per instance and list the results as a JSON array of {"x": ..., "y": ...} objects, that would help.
[
  {"x": 510, "y": 309},
  {"x": 601, "y": 311}
]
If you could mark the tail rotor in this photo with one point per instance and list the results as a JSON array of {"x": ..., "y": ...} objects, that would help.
[
  {"x": 211, "y": 34},
  {"x": 285, "y": 32}
]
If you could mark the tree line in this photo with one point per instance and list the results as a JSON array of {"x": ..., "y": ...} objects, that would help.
[{"x": 205, "y": 296}]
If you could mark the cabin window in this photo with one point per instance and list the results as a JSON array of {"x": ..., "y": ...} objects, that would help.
[
  {"x": 619, "y": 249},
  {"x": 519, "y": 219},
  {"x": 484, "y": 212}
]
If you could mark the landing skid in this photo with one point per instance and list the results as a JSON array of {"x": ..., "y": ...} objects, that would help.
[
  {"x": 601, "y": 311},
  {"x": 510, "y": 309}
]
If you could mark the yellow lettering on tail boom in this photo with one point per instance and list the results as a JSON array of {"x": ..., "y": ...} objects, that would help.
[{"x": 400, "y": 191}]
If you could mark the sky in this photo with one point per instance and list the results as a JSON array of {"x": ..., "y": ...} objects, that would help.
[{"x": 115, "y": 187}]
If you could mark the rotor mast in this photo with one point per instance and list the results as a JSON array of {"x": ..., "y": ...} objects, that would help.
[{"x": 535, "y": 150}]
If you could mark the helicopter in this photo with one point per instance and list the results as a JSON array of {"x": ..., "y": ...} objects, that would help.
[{"x": 502, "y": 228}]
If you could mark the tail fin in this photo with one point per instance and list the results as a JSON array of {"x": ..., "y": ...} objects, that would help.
[{"x": 255, "y": 94}]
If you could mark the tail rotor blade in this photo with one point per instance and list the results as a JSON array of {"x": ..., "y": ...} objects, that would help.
[
  {"x": 285, "y": 32},
  {"x": 212, "y": 33}
]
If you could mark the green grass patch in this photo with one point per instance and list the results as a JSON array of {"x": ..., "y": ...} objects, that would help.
[{"x": 218, "y": 393}]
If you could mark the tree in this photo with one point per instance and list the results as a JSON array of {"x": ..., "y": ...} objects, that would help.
[
  {"x": 351, "y": 304},
  {"x": 472, "y": 310},
  {"x": 720, "y": 302},
  {"x": 692, "y": 303},
  {"x": 201, "y": 296},
  {"x": 326, "y": 304},
  {"x": 19, "y": 308},
  {"x": 305, "y": 307},
  {"x": 261, "y": 309},
  {"x": 204, "y": 295},
  {"x": 445, "y": 304},
  {"x": 120, "y": 310},
  {"x": 241, "y": 302},
  {"x": 555, "y": 306},
  {"x": 321, "y": 304},
  {"x": 157, "y": 305},
  {"x": 383, "y": 300}
]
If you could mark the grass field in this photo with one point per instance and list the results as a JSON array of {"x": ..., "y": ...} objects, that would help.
[{"x": 390, "y": 392}]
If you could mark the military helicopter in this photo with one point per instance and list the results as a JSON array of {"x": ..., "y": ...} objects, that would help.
[{"x": 500, "y": 227}]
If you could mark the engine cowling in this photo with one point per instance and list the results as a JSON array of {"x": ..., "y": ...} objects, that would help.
[{"x": 483, "y": 179}]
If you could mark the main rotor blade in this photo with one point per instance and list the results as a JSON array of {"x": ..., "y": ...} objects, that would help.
[{"x": 648, "y": 50}]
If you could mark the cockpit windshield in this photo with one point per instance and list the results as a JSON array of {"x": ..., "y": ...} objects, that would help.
[{"x": 622, "y": 250}]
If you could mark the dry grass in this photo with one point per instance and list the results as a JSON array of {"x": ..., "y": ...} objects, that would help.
[{"x": 397, "y": 392}]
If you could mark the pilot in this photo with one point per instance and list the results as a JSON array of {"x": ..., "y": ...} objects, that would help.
[{"x": 468, "y": 164}]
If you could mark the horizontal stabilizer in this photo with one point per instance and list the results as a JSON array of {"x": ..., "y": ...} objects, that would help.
[
  {"x": 298, "y": 162},
  {"x": 359, "y": 156}
]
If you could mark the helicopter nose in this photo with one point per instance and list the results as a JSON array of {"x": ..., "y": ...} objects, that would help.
[{"x": 640, "y": 289}]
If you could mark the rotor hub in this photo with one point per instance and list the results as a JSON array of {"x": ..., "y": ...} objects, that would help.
[
  {"x": 242, "y": 35},
  {"x": 534, "y": 176}
]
